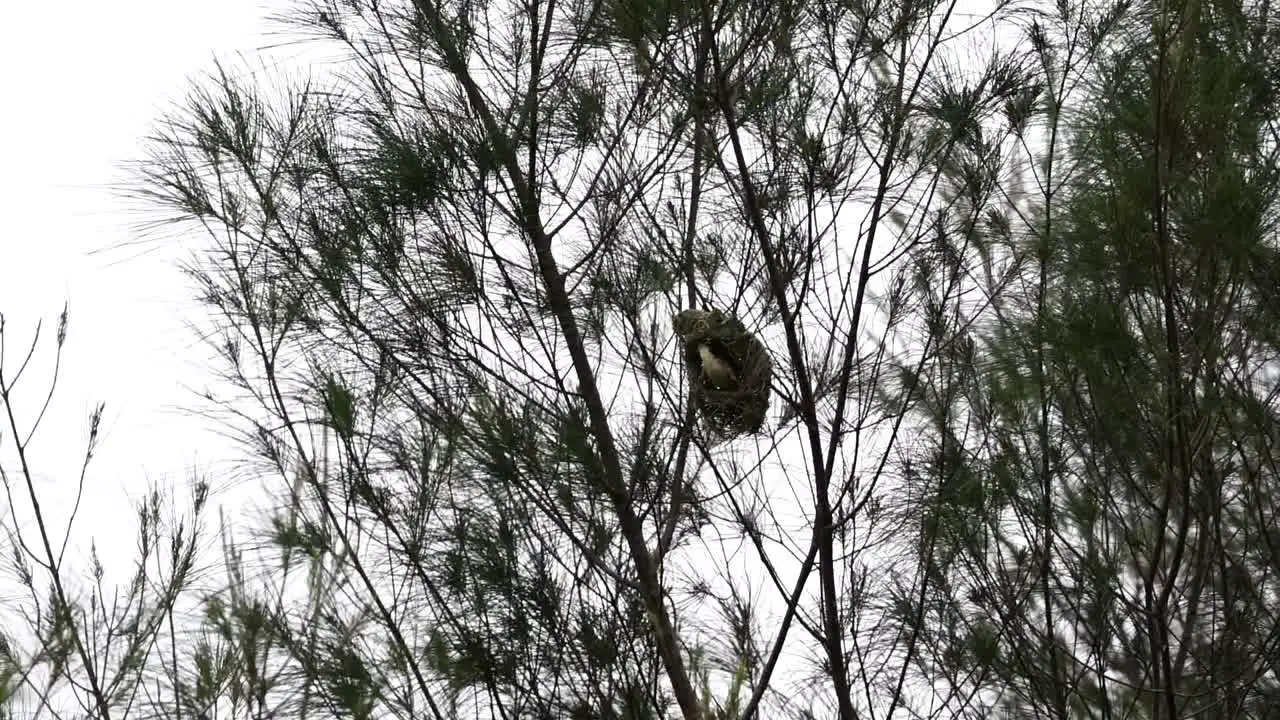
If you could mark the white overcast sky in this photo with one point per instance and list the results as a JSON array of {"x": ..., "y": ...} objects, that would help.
[{"x": 81, "y": 84}]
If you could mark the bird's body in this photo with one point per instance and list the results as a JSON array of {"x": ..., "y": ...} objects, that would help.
[{"x": 717, "y": 370}]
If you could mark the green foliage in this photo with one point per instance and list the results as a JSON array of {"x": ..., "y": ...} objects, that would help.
[
  {"x": 340, "y": 405},
  {"x": 75, "y": 628},
  {"x": 1094, "y": 407}
]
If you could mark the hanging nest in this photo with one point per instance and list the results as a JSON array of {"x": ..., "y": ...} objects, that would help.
[{"x": 729, "y": 370}]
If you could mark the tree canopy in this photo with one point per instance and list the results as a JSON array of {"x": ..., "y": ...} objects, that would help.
[{"x": 1016, "y": 267}]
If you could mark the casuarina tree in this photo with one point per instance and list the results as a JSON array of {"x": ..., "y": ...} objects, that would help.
[
  {"x": 443, "y": 272},
  {"x": 1098, "y": 463}
]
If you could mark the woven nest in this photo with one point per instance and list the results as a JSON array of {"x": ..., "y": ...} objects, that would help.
[{"x": 729, "y": 370}]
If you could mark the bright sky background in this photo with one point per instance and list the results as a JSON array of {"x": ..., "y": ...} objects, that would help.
[{"x": 83, "y": 84}]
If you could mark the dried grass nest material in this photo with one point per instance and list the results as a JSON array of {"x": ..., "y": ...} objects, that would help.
[{"x": 729, "y": 370}]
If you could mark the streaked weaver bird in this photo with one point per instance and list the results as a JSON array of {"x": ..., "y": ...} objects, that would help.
[
  {"x": 704, "y": 350},
  {"x": 717, "y": 368}
]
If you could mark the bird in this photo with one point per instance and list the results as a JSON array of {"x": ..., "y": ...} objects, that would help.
[{"x": 717, "y": 368}]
